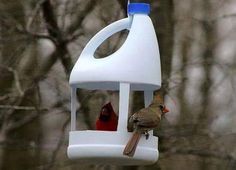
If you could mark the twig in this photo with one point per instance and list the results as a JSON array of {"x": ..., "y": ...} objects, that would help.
[
  {"x": 35, "y": 35},
  {"x": 33, "y": 15},
  {"x": 17, "y": 82},
  {"x": 74, "y": 36},
  {"x": 4, "y": 97},
  {"x": 27, "y": 30},
  {"x": 55, "y": 32},
  {"x": 14, "y": 107},
  {"x": 227, "y": 16}
]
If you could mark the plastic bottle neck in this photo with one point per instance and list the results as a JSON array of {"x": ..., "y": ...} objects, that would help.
[{"x": 138, "y": 8}]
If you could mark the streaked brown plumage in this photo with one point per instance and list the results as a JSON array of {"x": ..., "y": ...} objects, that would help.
[{"x": 142, "y": 121}]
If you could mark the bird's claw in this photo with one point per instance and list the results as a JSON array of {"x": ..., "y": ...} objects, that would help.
[{"x": 146, "y": 135}]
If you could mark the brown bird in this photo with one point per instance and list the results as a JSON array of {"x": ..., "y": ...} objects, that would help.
[{"x": 142, "y": 121}]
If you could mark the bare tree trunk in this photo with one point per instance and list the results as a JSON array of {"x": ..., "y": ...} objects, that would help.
[
  {"x": 185, "y": 115},
  {"x": 164, "y": 10},
  {"x": 208, "y": 27},
  {"x": 185, "y": 119},
  {"x": 209, "y": 31}
]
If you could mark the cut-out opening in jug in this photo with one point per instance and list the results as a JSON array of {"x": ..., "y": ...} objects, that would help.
[
  {"x": 105, "y": 110},
  {"x": 96, "y": 110},
  {"x": 111, "y": 45}
]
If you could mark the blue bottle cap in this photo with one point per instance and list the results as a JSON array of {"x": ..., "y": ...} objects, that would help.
[{"x": 138, "y": 8}]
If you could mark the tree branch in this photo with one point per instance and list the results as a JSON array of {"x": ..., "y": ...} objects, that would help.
[
  {"x": 50, "y": 20},
  {"x": 36, "y": 35},
  {"x": 34, "y": 14},
  {"x": 18, "y": 107},
  {"x": 81, "y": 16},
  {"x": 74, "y": 36},
  {"x": 54, "y": 31}
]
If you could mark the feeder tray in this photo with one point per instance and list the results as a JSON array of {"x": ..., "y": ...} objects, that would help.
[{"x": 105, "y": 147}]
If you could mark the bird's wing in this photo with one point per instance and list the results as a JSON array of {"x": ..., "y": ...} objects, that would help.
[
  {"x": 147, "y": 119},
  {"x": 143, "y": 122}
]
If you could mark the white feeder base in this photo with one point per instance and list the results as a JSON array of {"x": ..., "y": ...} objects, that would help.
[{"x": 106, "y": 147}]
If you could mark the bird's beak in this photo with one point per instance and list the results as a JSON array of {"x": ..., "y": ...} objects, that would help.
[{"x": 165, "y": 110}]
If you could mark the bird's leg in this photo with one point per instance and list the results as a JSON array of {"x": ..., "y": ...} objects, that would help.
[{"x": 146, "y": 135}]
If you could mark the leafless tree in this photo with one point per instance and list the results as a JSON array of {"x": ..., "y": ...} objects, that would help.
[{"x": 40, "y": 42}]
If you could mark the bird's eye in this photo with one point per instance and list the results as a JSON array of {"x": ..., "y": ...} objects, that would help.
[{"x": 161, "y": 107}]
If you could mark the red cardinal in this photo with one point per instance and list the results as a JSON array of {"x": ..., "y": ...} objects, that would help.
[{"x": 107, "y": 119}]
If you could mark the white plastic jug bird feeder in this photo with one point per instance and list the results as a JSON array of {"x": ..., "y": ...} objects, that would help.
[{"x": 135, "y": 66}]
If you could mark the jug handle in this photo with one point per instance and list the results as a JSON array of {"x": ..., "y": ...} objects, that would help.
[{"x": 102, "y": 35}]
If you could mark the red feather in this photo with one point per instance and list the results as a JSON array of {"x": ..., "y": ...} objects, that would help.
[{"x": 107, "y": 119}]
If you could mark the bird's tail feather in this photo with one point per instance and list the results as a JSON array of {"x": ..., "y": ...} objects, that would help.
[{"x": 132, "y": 144}]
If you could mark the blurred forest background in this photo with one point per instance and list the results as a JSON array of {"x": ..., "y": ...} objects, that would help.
[{"x": 40, "y": 40}]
